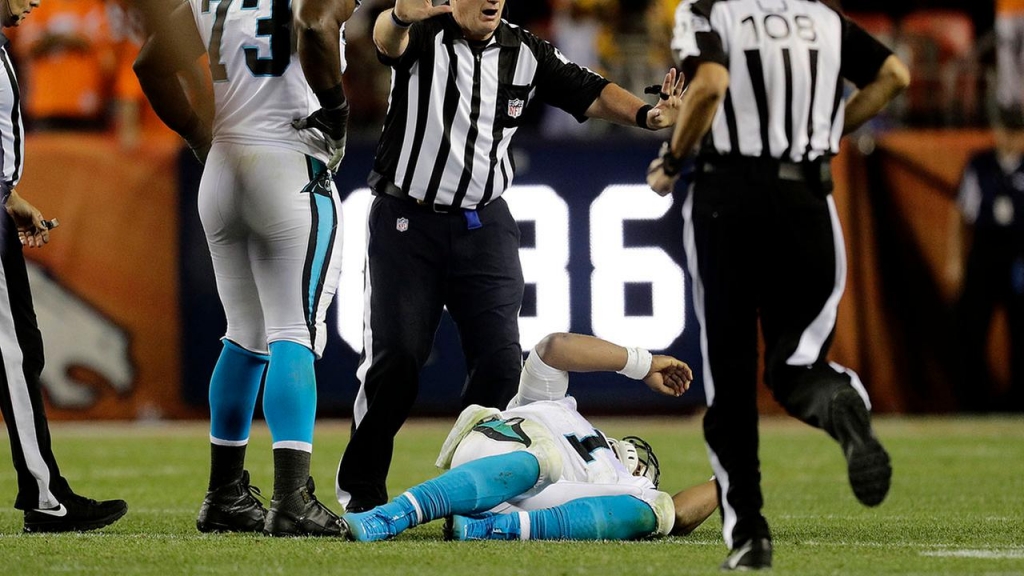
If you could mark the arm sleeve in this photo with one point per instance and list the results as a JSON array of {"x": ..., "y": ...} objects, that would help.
[
  {"x": 419, "y": 40},
  {"x": 694, "y": 41},
  {"x": 561, "y": 83},
  {"x": 862, "y": 55},
  {"x": 538, "y": 381}
]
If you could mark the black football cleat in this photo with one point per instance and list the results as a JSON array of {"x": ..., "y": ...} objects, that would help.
[
  {"x": 301, "y": 514},
  {"x": 75, "y": 513},
  {"x": 233, "y": 507},
  {"x": 755, "y": 554},
  {"x": 867, "y": 462}
]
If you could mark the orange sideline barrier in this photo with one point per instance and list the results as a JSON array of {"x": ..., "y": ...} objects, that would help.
[
  {"x": 106, "y": 287},
  {"x": 919, "y": 173}
]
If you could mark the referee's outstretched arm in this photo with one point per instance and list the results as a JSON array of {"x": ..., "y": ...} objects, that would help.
[
  {"x": 893, "y": 77},
  {"x": 618, "y": 105},
  {"x": 697, "y": 109}
]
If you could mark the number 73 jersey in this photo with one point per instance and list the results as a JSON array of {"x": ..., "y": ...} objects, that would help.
[{"x": 258, "y": 84}]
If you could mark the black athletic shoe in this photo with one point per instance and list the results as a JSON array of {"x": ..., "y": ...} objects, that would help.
[
  {"x": 301, "y": 514},
  {"x": 75, "y": 513},
  {"x": 233, "y": 507},
  {"x": 755, "y": 554},
  {"x": 867, "y": 462}
]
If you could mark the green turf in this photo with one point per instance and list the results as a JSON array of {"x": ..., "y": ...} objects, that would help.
[{"x": 956, "y": 507}]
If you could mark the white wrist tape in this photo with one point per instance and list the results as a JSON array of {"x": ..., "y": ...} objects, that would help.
[{"x": 638, "y": 363}]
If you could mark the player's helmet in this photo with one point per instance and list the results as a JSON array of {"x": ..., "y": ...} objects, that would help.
[
  {"x": 638, "y": 457},
  {"x": 648, "y": 465}
]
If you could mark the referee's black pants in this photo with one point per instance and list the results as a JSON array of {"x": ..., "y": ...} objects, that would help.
[
  {"x": 993, "y": 277},
  {"x": 40, "y": 484},
  {"x": 418, "y": 262},
  {"x": 762, "y": 247}
]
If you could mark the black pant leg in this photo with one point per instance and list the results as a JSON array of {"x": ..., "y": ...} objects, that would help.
[
  {"x": 485, "y": 292},
  {"x": 721, "y": 237},
  {"x": 799, "y": 314},
  {"x": 973, "y": 316},
  {"x": 21, "y": 401},
  {"x": 405, "y": 271}
]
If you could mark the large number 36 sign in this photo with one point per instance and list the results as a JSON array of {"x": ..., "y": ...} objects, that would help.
[{"x": 546, "y": 266}]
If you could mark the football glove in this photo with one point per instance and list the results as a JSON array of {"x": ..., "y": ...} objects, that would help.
[{"x": 333, "y": 124}]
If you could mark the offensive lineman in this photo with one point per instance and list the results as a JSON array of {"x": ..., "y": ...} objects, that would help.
[
  {"x": 542, "y": 470},
  {"x": 270, "y": 213}
]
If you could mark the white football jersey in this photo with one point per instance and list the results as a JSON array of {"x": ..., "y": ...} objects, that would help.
[
  {"x": 258, "y": 82},
  {"x": 586, "y": 456}
]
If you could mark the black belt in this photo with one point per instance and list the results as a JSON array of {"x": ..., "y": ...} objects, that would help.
[
  {"x": 814, "y": 171},
  {"x": 390, "y": 189}
]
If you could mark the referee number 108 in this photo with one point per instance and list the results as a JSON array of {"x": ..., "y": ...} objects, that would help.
[{"x": 546, "y": 267}]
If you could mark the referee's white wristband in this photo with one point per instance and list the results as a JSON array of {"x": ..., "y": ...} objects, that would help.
[{"x": 638, "y": 363}]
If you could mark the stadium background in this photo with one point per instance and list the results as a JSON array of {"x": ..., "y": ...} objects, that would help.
[{"x": 127, "y": 304}]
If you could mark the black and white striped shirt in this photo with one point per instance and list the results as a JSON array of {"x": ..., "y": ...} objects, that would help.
[
  {"x": 787, "y": 60},
  {"x": 12, "y": 129},
  {"x": 455, "y": 106}
]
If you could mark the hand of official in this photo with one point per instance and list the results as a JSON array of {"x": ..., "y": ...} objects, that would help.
[
  {"x": 416, "y": 10},
  {"x": 665, "y": 113},
  {"x": 658, "y": 179},
  {"x": 33, "y": 230},
  {"x": 333, "y": 124},
  {"x": 669, "y": 376}
]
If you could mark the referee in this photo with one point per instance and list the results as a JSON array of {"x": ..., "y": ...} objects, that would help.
[
  {"x": 439, "y": 232},
  {"x": 44, "y": 496},
  {"x": 766, "y": 81}
]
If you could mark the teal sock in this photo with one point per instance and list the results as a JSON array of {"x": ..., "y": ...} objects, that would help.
[
  {"x": 594, "y": 518},
  {"x": 289, "y": 400},
  {"x": 477, "y": 486},
  {"x": 234, "y": 386}
]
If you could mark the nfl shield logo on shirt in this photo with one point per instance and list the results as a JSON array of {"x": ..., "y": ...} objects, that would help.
[
  {"x": 402, "y": 225},
  {"x": 515, "y": 108}
]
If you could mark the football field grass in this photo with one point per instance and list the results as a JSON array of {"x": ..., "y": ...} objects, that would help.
[{"x": 956, "y": 507}]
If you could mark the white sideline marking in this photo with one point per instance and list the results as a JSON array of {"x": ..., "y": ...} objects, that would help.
[{"x": 972, "y": 553}]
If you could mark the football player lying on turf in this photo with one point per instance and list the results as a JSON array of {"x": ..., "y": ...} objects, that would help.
[{"x": 540, "y": 471}]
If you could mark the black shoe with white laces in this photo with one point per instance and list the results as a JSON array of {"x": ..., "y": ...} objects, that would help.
[
  {"x": 75, "y": 513},
  {"x": 754, "y": 554},
  {"x": 233, "y": 507},
  {"x": 867, "y": 462},
  {"x": 301, "y": 514}
]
